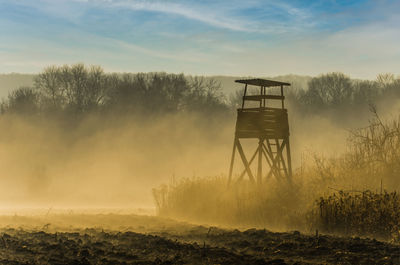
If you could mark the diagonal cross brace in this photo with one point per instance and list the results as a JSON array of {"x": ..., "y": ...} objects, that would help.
[{"x": 246, "y": 164}]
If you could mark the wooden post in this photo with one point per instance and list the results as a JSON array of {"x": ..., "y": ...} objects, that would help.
[
  {"x": 283, "y": 162},
  {"x": 289, "y": 159},
  {"x": 260, "y": 154},
  {"x": 278, "y": 156},
  {"x": 232, "y": 162},
  {"x": 245, "y": 91},
  {"x": 264, "y": 98}
]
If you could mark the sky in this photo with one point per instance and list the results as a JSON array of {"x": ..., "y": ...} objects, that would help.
[{"x": 203, "y": 37}]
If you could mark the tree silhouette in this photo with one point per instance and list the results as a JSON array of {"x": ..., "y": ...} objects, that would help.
[{"x": 331, "y": 89}]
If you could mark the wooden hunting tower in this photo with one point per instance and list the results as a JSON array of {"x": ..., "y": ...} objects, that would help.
[{"x": 267, "y": 124}]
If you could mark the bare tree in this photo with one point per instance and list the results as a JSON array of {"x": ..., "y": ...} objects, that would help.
[{"x": 330, "y": 89}]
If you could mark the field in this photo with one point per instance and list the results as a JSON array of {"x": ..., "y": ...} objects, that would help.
[
  {"x": 103, "y": 146},
  {"x": 134, "y": 239}
]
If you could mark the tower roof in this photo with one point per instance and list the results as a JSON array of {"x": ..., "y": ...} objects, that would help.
[{"x": 262, "y": 82}]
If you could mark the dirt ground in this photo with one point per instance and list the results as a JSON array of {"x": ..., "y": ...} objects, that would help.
[{"x": 132, "y": 239}]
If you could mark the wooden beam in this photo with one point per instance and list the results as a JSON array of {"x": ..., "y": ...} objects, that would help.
[
  {"x": 264, "y": 92},
  {"x": 232, "y": 162},
  {"x": 250, "y": 162},
  {"x": 244, "y": 95},
  {"x": 259, "y": 170},
  {"x": 262, "y": 82},
  {"x": 278, "y": 155},
  {"x": 289, "y": 158},
  {"x": 282, "y": 160},
  {"x": 263, "y": 109},
  {"x": 261, "y": 97},
  {"x": 246, "y": 164}
]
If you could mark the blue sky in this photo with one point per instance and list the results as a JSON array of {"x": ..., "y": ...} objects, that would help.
[{"x": 254, "y": 37}]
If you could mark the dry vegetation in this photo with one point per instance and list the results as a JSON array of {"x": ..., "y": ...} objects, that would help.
[
  {"x": 210, "y": 200},
  {"x": 366, "y": 213},
  {"x": 372, "y": 160}
]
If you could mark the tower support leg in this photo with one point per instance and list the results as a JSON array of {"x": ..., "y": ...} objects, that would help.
[
  {"x": 260, "y": 156},
  {"x": 232, "y": 162},
  {"x": 289, "y": 159}
]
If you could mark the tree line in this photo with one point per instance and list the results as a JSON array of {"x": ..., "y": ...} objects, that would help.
[
  {"x": 334, "y": 90},
  {"x": 77, "y": 90}
]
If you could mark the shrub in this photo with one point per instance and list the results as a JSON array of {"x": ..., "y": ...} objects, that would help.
[{"x": 363, "y": 214}]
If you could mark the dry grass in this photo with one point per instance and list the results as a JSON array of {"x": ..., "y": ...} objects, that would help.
[
  {"x": 369, "y": 214},
  {"x": 373, "y": 158},
  {"x": 210, "y": 200}
]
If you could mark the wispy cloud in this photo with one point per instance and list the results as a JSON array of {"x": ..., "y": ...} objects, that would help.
[
  {"x": 199, "y": 14},
  {"x": 276, "y": 16},
  {"x": 358, "y": 37},
  {"x": 220, "y": 15}
]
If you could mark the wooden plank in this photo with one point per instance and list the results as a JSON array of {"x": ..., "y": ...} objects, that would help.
[
  {"x": 261, "y": 109},
  {"x": 262, "y": 132},
  {"x": 252, "y": 135},
  {"x": 266, "y": 126},
  {"x": 261, "y": 119},
  {"x": 258, "y": 134},
  {"x": 253, "y": 117},
  {"x": 266, "y": 116},
  {"x": 261, "y": 97},
  {"x": 262, "y": 123}
]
